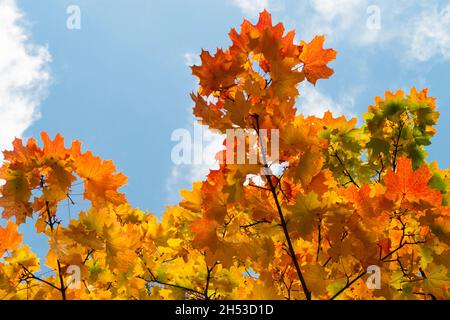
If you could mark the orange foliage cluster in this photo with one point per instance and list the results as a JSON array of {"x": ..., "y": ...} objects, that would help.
[{"x": 348, "y": 198}]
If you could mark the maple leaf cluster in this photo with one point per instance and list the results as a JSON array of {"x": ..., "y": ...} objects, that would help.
[{"x": 346, "y": 198}]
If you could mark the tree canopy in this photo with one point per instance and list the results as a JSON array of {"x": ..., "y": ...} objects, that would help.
[{"x": 345, "y": 198}]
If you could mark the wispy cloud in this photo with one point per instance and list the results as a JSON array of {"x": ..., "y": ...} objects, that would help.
[
  {"x": 421, "y": 31},
  {"x": 340, "y": 20},
  {"x": 191, "y": 59},
  {"x": 430, "y": 36},
  {"x": 24, "y": 74},
  {"x": 203, "y": 144},
  {"x": 312, "y": 102},
  {"x": 251, "y": 8},
  {"x": 203, "y": 147}
]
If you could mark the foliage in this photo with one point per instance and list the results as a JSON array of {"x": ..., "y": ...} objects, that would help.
[{"x": 348, "y": 197}]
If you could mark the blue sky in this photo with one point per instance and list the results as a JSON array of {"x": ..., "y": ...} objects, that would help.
[{"x": 121, "y": 83}]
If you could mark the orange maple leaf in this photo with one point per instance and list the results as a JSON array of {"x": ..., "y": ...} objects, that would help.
[
  {"x": 216, "y": 72},
  {"x": 10, "y": 238},
  {"x": 385, "y": 245},
  {"x": 101, "y": 181},
  {"x": 265, "y": 21},
  {"x": 54, "y": 150},
  {"x": 204, "y": 230},
  {"x": 315, "y": 59},
  {"x": 411, "y": 186},
  {"x": 23, "y": 155}
]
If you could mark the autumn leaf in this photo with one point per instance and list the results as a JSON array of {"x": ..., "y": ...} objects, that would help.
[
  {"x": 305, "y": 214},
  {"x": 315, "y": 59},
  {"x": 205, "y": 235},
  {"x": 411, "y": 186},
  {"x": 120, "y": 246},
  {"x": 10, "y": 238},
  {"x": 16, "y": 193},
  {"x": 101, "y": 181},
  {"x": 23, "y": 256},
  {"x": 216, "y": 72}
]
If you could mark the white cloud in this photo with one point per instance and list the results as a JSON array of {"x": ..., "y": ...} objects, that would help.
[
  {"x": 191, "y": 59},
  {"x": 330, "y": 9},
  {"x": 419, "y": 30},
  {"x": 204, "y": 145},
  {"x": 251, "y": 7},
  {"x": 24, "y": 74},
  {"x": 431, "y": 35},
  {"x": 334, "y": 18},
  {"x": 312, "y": 102}
]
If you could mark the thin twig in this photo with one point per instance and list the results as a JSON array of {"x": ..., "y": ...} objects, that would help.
[
  {"x": 346, "y": 172},
  {"x": 396, "y": 146}
]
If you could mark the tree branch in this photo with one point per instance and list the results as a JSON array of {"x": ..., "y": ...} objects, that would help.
[
  {"x": 282, "y": 219},
  {"x": 396, "y": 146},
  {"x": 208, "y": 280},
  {"x": 156, "y": 280},
  {"x": 348, "y": 284},
  {"x": 346, "y": 172},
  {"x": 384, "y": 259},
  {"x": 31, "y": 275},
  {"x": 319, "y": 240},
  {"x": 51, "y": 223},
  {"x": 254, "y": 224}
]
